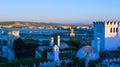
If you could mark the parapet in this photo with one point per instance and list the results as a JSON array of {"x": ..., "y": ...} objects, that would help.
[{"x": 98, "y": 23}]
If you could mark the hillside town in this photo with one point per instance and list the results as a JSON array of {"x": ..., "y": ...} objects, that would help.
[
  {"x": 59, "y": 33},
  {"x": 61, "y": 47}
]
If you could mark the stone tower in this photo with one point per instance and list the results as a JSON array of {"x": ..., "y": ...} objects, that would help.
[
  {"x": 105, "y": 35},
  {"x": 12, "y": 35}
]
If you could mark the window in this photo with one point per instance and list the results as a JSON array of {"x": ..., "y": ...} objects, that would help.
[
  {"x": 116, "y": 29},
  {"x": 107, "y": 22},
  {"x": 110, "y": 29},
  {"x": 113, "y": 29}
]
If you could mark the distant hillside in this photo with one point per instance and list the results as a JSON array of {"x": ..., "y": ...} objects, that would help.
[
  {"x": 6, "y": 23},
  {"x": 27, "y": 24},
  {"x": 30, "y": 23},
  {"x": 46, "y": 24}
]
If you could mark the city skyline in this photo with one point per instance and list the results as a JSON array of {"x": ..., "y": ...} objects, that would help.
[{"x": 60, "y": 11}]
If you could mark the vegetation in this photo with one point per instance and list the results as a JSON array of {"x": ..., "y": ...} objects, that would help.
[
  {"x": 44, "y": 53},
  {"x": 68, "y": 49},
  {"x": 62, "y": 64},
  {"x": 110, "y": 54},
  {"x": 23, "y": 50},
  {"x": 45, "y": 44},
  {"x": 28, "y": 62},
  {"x": 118, "y": 48},
  {"x": 93, "y": 63},
  {"x": 75, "y": 44},
  {"x": 79, "y": 62},
  {"x": 6, "y": 23}
]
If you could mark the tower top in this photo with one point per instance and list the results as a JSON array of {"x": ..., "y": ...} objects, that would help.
[
  {"x": 72, "y": 34},
  {"x": 55, "y": 47},
  {"x": 106, "y": 22},
  {"x": 14, "y": 33}
]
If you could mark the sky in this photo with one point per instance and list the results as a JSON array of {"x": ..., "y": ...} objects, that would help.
[{"x": 60, "y": 11}]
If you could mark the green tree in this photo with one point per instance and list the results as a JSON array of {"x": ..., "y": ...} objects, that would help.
[
  {"x": 18, "y": 44},
  {"x": 93, "y": 63},
  {"x": 79, "y": 62},
  {"x": 23, "y": 50}
]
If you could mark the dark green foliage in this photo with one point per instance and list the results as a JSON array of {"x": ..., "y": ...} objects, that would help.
[
  {"x": 23, "y": 50},
  {"x": 44, "y": 53},
  {"x": 93, "y": 63},
  {"x": 118, "y": 48},
  {"x": 110, "y": 54},
  {"x": 18, "y": 44},
  {"x": 23, "y": 62},
  {"x": 6, "y": 23},
  {"x": 62, "y": 64},
  {"x": 70, "y": 64},
  {"x": 68, "y": 49},
  {"x": 45, "y": 44},
  {"x": 75, "y": 44},
  {"x": 79, "y": 62},
  {"x": 38, "y": 60}
]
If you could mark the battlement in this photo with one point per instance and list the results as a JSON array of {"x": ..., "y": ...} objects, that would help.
[{"x": 99, "y": 23}]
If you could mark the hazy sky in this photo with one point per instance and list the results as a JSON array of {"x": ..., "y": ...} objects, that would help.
[{"x": 64, "y": 11}]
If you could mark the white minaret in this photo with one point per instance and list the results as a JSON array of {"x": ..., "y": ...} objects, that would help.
[
  {"x": 56, "y": 53},
  {"x": 52, "y": 41},
  {"x": 58, "y": 40}
]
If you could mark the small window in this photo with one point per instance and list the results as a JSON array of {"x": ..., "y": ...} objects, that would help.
[
  {"x": 116, "y": 29},
  {"x": 110, "y": 29},
  {"x": 113, "y": 29},
  {"x": 111, "y": 22},
  {"x": 107, "y": 22}
]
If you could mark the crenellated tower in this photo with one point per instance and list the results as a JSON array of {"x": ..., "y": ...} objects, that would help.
[{"x": 104, "y": 31}]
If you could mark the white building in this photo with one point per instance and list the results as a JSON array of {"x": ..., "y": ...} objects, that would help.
[
  {"x": 55, "y": 54},
  {"x": 106, "y": 35}
]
